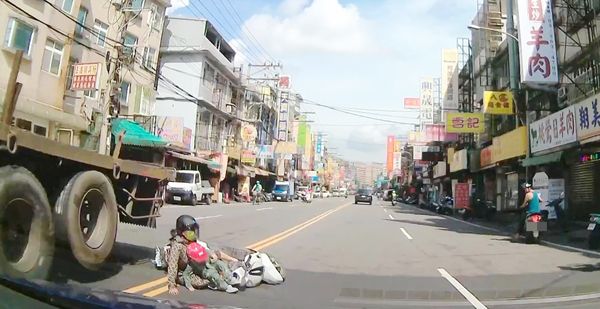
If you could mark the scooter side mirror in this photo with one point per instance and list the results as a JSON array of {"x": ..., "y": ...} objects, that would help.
[{"x": 562, "y": 195}]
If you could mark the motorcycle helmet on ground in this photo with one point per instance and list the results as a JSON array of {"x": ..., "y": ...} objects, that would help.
[{"x": 187, "y": 227}]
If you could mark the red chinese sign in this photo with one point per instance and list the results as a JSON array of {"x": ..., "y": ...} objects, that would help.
[
  {"x": 465, "y": 123},
  {"x": 412, "y": 103},
  {"x": 462, "y": 197},
  {"x": 485, "y": 157},
  {"x": 85, "y": 76},
  {"x": 537, "y": 44}
]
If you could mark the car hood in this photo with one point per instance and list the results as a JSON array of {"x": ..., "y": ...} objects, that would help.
[{"x": 75, "y": 296}]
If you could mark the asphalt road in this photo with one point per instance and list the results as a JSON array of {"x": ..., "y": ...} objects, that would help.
[{"x": 341, "y": 255}]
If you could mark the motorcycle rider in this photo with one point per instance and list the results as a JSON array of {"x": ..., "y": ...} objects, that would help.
[
  {"x": 256, "y": 191},
  {"x": 531, "y": 203}
]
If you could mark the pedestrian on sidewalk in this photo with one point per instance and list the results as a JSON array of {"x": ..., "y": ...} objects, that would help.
[{"x": 531, "y": 203}]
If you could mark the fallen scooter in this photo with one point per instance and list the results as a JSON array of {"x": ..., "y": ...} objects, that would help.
[
  {"x": 594, "y": 228},
  {"x": 305, "y": 197}
]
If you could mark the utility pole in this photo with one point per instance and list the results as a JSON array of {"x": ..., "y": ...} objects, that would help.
[
  {"x": 513, "y": 63},
  {"x": 112, "y": 107}
]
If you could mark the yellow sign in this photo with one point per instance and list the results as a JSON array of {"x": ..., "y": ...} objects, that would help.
[
  {"x": 498, "y": 102},
  {"x": 510, "y": 145},
  {"x": 248, "y": 132},
  {"x": 465, "y": 123}
]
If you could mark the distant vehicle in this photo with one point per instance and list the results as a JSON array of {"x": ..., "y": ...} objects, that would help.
[
  {"x": 190, "y": 188},
  {"x": 335, "y": 193},
  {"x": 317, "y": 193},
  {"x": 363, "y": 196},
  {"x": 283, "y": 191},
  {"x": 325, "y": 194},
  {"x": 344, "y": 192},
  {"x": 299, "y": 191}
]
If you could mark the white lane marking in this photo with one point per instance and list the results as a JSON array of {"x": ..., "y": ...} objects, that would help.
[
  {"x": 392, "y": 218},
  {"x": 264, "y": 208},
  {"x": 385, "y": 210},
  {"x": 406, "y": 233},
  {"x": 208, "y": 217},
  {"x": 462, "y": 290}
]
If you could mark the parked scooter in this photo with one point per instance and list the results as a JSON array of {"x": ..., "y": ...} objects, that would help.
[
  {"x": 445, "y": 206},
  {"x": 594, "y": 228},
  {"x": 481, "y": 209}
]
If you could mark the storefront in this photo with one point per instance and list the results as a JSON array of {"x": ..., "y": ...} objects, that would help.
[
  {"x": 582, "y": 190},
  {"x": 440, "y": 169},
  {"x": 506, "y": 151}
]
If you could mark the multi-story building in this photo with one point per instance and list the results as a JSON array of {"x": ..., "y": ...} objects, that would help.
[
  {"x": 201, "y": 86},
  {"x": 55, "y": 36}
]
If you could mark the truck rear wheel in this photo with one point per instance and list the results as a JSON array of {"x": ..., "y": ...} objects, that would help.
[
  {"x": 26, "y": 227},
  {"x": 86, "y": 216}
]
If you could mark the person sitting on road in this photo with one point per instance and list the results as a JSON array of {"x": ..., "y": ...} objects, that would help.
[
  {"x": 186, "y": 229},
  {"x": 197, "y": 258},
  {"x": 531, "y": 203}
]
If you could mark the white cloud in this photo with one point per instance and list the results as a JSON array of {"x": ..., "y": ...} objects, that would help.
[
  {"x": 240, "y": 57},
  {"x": 176, "y": 5},
  {"x": 322, "y": 26},
  {"x": 292, "y": 7}
]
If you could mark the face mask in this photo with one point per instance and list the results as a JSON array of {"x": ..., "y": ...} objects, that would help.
[{"x": 189, "y": 235}]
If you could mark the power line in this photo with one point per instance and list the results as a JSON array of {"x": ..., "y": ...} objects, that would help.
[
  {"x": 310, "y": 102},
  {"x": 193, "y": 4},
  {"x": 249, "y": 34}
]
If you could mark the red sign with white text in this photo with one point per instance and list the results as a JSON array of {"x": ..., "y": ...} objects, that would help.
[
  {"x": 461, "y": 195},
  {"x": 412, "y": 103}
]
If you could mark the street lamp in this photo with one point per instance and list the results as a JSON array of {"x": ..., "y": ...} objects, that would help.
[{"x": 475, "y": 27}]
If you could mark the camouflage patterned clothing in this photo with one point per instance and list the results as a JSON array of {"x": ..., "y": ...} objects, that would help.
[{"x": 177, "y": 262}]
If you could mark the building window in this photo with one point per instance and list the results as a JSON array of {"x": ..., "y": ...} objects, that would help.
[
  {"x": 67, "y": 6},
  {"x": 130, "y": 42},
  {"x": 19, "y": 36},
  {"x": 91, "y": 94},
  {"x": 39, "y": 130},
  {"x": 52, "y": 59},
  {"x": 148, "y": 57},
  {"x": 81, "y": 17},
  {"x": 124, "y": 96},
  {"x": 155, "y": 17},
  {"x": 101, "y": 30},
  {"x": 23, "y": 124},
  {"x": 137, "y": 5},
  {"x": 144, "y": 102},
  {"x": 69, "y": 79}
]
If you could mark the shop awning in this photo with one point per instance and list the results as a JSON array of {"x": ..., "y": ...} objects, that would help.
[
  {"x": 262, "y": 172},
  {"x": 211, "y": 164},
  {"x": 545, "y": 159},
  {"x": 135, "y": 134}
]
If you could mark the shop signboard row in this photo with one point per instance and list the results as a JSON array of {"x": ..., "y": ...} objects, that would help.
[
  {"x": 579, "y": 122},
  {"x": 459, "y": 160},
  {"x": 419, "y": 150},
  {"x": 440, "y": 169}
]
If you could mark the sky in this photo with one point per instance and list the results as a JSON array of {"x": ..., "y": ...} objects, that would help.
[{"x": 362, "y": 54}]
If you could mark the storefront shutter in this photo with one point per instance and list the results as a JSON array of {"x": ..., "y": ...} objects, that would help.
[{"x": 582, "y": 198}]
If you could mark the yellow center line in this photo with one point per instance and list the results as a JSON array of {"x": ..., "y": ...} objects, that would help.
[{"x": 269, "y": 241}]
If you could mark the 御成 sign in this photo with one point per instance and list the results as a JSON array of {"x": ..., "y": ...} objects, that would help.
[
  {"x": 498, "y": 102},
  {"x": 537, "y": 46},
  {"x": 465, "y": 123}
]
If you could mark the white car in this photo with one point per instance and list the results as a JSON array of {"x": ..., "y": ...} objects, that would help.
[
  {"x": 325, "y": 194},
  {"x": 335, "y": 193},
  {"x": 188, "y": 187}
]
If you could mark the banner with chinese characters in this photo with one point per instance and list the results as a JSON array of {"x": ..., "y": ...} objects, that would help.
[
  {"x": 449, "y": 79},
  {"x": 465, "y": 123},
  {"x": 426, "y": 99},
  {"x": 437, "y": 132},
  {"x": 498, "y": 102},
  {"x": 462, "y": 195},
  {"x": 554, "y": 130},
  {"x": 85, "y": 76},
  {"x": 537, "y": 47},
  {"x": 282, "y": 128},
  {"x": 588, "y": 118}
]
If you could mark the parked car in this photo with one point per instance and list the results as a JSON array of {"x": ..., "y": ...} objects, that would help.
[
  {"x": 189, "y": 187},
  {"x": 335, "y": 193},
  {"x": 363, "y": 196},
  {"x": 325, "y": 194},
  {"x": 283, "y": 191}
]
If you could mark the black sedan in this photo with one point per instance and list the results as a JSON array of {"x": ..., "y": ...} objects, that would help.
[{"x": 363, "y": 196}]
